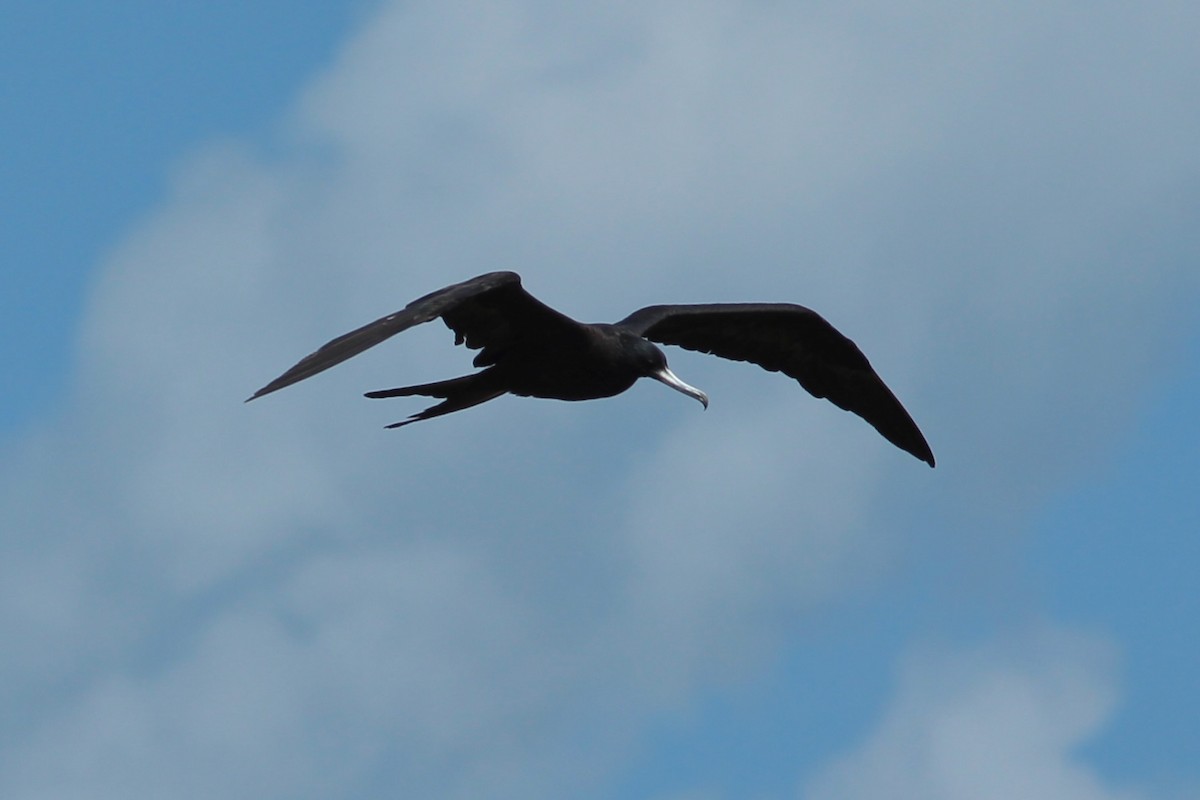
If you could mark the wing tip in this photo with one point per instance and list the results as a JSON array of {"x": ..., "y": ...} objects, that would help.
[
  {"x": 270, "y": 387},
  {"x": 922, "y": 452}
]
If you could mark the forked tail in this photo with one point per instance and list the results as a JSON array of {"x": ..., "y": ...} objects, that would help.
[{"x": 457, "y": 394}]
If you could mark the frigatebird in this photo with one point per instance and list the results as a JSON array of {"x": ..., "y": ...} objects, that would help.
[{"x": 528, "y": 349}]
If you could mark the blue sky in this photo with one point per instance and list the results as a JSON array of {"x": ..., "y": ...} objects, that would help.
[
  {"x": 620, "y": 599},
  {"x": 100, "y": 101}
]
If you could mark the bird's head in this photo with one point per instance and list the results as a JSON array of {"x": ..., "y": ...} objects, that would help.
[{"x": 652, "y": 363}]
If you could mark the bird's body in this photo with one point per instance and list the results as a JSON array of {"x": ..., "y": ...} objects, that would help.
[
  {"x": 531, "y": 350},
  {"x": 584, "y": 368},
  {"x": 587, "y": 372}
]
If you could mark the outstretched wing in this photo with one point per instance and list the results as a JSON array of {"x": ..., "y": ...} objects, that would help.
[
  {"x": 794, "y": 340},
  {"x": 490, "y": 312}
]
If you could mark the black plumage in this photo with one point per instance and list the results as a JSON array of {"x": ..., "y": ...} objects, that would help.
[{"x": 527, "y": 348}]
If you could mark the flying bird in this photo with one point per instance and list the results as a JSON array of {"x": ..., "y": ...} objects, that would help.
[{"x": 528, "y": 349}]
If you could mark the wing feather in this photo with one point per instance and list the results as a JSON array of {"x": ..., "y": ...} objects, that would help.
[
  {"x": 489, "y": 312},
  {"x": 794, "y": 340}
]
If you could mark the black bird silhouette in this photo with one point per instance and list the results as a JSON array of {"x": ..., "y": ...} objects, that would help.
[{"x": 531, "y": 350}]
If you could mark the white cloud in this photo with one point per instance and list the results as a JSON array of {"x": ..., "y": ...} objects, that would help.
[
  {"x": 205, "y": 598},
  {"x": 1003, "y": 720}
]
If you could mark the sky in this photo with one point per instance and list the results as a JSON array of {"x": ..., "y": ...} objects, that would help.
[{"x": 632, "y": 598}]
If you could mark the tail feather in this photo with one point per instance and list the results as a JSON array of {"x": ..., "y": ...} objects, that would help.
[
  {"x": 457, "y": 394},
  {"x": 436, "y": 389}
]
